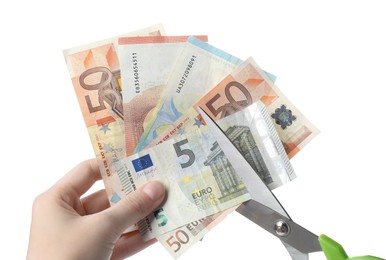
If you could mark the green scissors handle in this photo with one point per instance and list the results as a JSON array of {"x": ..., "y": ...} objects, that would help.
[{"x": 334, "y": 251}]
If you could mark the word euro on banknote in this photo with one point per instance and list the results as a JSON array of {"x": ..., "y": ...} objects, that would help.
[
  {"x": 240, "y": 89},
  {"x": 96, "y": 78},
  {"x": 146, "y": 62},
  {"x": 197, "y": 186},
  {"x": 252, "y": 132}
]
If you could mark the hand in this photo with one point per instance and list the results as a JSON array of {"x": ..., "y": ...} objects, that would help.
[{"x": 66, "y": 226}]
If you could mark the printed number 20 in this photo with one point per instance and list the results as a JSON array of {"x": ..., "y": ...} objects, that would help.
[{"x": 188, "y": 152}]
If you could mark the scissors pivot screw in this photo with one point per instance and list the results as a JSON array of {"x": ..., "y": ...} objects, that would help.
[{"x": 282, "y": 228}]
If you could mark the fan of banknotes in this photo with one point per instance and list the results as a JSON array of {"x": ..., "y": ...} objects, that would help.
[{"x": 139, "y": 94}]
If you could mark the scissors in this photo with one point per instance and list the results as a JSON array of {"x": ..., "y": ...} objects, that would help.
[{"x": 265, "y": 210}]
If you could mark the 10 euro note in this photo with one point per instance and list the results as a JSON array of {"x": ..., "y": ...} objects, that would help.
[
  {"x": 198, "y": 68},
  {"x": 197, "y": 186},
  {"x": 146, "y": 63},
  {"x": 253, "y": 134},
  {"x": 95, "y": 75}
]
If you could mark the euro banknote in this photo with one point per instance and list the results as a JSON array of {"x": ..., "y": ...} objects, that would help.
[
  {"x": 241, "y": 88},
  {"x": 200, "y": 181},
  {"x": 146, "y": 63},
  {"x": 252, "y": 132},
  {"x": 95, "y": 74},
  {"x": 198, "y": 68}
]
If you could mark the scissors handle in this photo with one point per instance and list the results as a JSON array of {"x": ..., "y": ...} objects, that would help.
[{"x": 334, "y": 251}]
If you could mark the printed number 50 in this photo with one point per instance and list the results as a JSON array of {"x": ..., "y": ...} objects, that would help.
[
  {"x": 228, "y": 108},
  {"x": 179, "y": 240}
]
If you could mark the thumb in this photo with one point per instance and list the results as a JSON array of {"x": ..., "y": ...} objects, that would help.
[{"x": 135, "y": 206}]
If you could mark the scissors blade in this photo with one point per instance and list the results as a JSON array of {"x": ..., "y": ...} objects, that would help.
[
  {"x": 282, "y": 227},
  {"x": 264, "y": 209}
]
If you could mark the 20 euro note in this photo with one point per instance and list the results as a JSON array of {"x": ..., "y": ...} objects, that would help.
[
  {"x": 240, "y": 89},
  {"x": 197, "y": 185},
  {"x": 146, "y": 62},
  {"x": 95, "y": 75},
  {"x": 252, "y": 132},
  {"x": 199, "y": 67}
]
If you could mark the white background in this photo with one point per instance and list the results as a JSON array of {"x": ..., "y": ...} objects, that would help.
[{"x": 329, "y": 57}]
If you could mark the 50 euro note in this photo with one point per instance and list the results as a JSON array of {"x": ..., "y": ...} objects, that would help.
[
  {"x": 200, "y": 181},
  {"x": 146, "y": 63},
  {"x": 240, "y": 89},
  {"x": 253, "y": 134},
  {"x": 198, "y": 68},
  {"x": 95, "y": 74}
]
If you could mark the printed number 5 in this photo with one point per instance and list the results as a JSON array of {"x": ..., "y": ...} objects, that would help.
[
  {"x": 188, "y": 152},
  {"x": 160, "y": 216}
]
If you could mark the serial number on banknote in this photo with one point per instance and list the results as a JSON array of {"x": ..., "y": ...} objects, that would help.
[
  {"x": 171, "y": 133},
  {"x": 134, "y": 60},
  {"x": 186, "y": 73}
]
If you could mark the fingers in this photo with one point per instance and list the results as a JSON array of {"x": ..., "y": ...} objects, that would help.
[
  {"x": 129, "y": 244},
  {"x": 80, "y": 178},
  {"x": 134, "y": 207},
  {"x": 95, "y": 202}
]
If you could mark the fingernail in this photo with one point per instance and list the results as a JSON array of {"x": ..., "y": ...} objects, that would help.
[{"x": 154, "y": 190}]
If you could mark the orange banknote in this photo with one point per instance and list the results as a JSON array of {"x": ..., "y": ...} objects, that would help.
[
  {"x": 243, "y": 87},
  {"x": 96, "y": 77}
]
